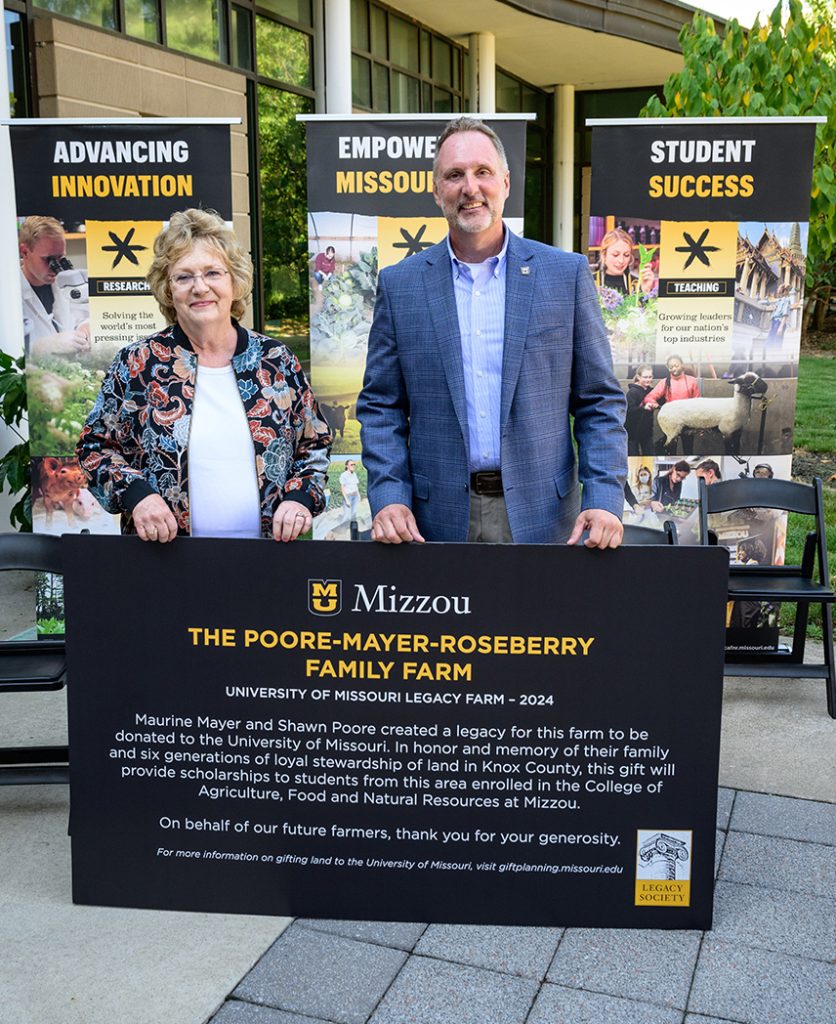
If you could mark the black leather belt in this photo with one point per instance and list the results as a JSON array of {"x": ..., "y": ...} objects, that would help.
[{"x": 488, "y": 482}]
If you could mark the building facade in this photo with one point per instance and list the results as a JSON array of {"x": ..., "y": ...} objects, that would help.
[{"x": 269, "y": 60}]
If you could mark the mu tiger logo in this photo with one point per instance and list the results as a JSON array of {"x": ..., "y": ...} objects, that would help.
[{"x": 324, "y": 597}]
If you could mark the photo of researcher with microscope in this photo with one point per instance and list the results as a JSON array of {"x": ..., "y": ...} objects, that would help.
[{"x": 56, "y": 319}]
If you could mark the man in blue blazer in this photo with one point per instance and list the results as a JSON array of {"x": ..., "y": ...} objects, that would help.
[{"x": 481, "y": 349}]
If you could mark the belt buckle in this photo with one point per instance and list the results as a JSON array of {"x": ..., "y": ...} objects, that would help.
[{"x": 487, "y": 483}]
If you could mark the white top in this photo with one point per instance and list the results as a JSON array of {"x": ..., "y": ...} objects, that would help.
[
  {"x": 223, "y": 485},
  {"x": 349, "y": 482}
]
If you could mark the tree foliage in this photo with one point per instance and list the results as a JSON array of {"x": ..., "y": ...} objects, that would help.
[
  {"x": 283, "y": 201},
  {"x": 786, "y": 68},
  {"x": 15, "y": 470}
]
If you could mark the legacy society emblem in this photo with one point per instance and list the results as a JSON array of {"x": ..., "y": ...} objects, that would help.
[{"x": 325, "y": 597}]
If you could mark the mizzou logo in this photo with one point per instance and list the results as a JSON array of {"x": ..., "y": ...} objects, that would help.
[{"x": 324, "y": 597}]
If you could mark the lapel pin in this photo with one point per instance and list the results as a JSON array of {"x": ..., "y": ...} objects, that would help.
[{"x": 525, "y": 271}]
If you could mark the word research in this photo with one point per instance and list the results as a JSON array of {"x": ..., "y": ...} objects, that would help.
[{"x": 388, "y": 599}]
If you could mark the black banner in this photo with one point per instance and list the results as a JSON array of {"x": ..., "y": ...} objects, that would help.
[
  {"x": 436, "y": 733},
  {"x": 115, "y": 172},
  {"x": 384, "y": 168},
  {"x": 692, "y": 171}
]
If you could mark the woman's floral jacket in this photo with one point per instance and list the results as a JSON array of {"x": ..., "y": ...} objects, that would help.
[{"x": 135, "y": 440}]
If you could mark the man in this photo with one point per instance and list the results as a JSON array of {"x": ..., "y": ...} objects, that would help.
[
  {"x": 709, "y": 470},
  {"x": 350, "y": 488},
  {"x": 667, "y": 487},
  {"x": 51, "y": 325},
  {"x": 480, "y": 350}
]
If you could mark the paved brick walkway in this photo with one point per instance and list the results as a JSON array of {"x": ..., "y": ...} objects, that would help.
[{"x": 770, "y": 959}]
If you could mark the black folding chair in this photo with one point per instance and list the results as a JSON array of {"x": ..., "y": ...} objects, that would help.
[
  {"x": 798, "y": 584},
  {"x": 644, "y": 535},
  {"x": 36, "y": 665}
]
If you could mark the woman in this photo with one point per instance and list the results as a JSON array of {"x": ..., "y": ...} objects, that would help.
[
  {"x": 616, "y": 261},
  {"x": 643, "y": 486},
  {"x": 206, "y": 428},
  {"x": 675, "y": 385},
  {"x": 639, "y": 419}
]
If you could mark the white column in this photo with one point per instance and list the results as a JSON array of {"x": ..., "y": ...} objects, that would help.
[
  {"x": 563, "y": 162},
  {"x": 11, "y": 306},
  {"x": 338, "y": 56},
  {"x": 482, "y": 73},
  {"x": 319, "y": 55}
]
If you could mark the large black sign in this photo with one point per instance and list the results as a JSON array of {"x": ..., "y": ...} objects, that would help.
[
  {"x": 76, "y": 172},
  {"x": 384, "y": 167},
  {"x": 510, "y": 735},
  {"x": 717, "y": 169}
]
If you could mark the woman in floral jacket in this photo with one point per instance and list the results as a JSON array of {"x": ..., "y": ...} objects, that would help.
[{"x": 206, "y": 428}]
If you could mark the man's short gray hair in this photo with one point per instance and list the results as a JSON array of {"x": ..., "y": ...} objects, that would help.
[{"x": 469, "y": 124}]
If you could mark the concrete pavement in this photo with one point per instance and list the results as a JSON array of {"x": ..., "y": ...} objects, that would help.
[{"x": 770, "y": 958}]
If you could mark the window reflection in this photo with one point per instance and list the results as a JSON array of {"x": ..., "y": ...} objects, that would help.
[
  {"x": 387, "y": 44},
  {"x": 405, "y": 93},
  {"x": 193, "y": 26},
  {"x": 361, "y": 82},
  {"x": 294, "y": 10},
  {"x": 403, "y": 39},
  {"x": 93, "y": 12},
  {"x": 142, "y": 20},
  {"x": 283, "y": 53},
  {"x": 16, "y": 65},
  {"x": 241, "y": 43}
]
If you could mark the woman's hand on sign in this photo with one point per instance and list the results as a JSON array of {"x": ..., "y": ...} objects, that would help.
[
  {"x": 154, "y": 520},
  {"x": 290, "y": 520}
]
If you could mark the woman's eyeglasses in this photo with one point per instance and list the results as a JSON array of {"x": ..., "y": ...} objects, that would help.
[{"x": 210, "y": 277}]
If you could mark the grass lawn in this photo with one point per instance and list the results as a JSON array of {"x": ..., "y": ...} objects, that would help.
[
  {"x": 815, "y": 432},
  {"x": 815, "y": 413}
]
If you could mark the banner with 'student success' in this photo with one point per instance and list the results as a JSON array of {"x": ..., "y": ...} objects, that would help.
[{"x": 698, "y": 246}]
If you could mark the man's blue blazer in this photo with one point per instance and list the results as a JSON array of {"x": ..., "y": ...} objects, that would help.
[{"x": 556, "y": 363}]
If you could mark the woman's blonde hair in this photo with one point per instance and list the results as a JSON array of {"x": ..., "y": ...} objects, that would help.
[
  {"x": 185, "y": 229},
  {"x": 613, "y": 236}
]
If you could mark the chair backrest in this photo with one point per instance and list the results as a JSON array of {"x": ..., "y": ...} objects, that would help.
[
  {"x": 786, "y": 495},
  {"x": 38, "y": 551},
  {"x": 38, "y": 664},
  {"x": 751, "y": 492},
  {"x": 644, "y": 534}
]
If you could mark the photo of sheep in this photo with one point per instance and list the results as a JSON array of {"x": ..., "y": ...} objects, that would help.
[{"x": 672, "y": 409}]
